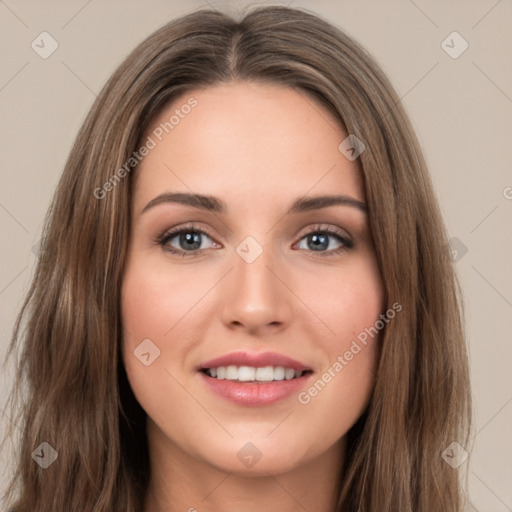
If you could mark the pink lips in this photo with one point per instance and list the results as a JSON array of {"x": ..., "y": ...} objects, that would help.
[{"x": 253, "y": 394}]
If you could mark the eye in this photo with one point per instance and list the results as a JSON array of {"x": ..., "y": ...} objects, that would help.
[
  {"x": 320, "y": 239},
  {"x": 188, "y": 239}
]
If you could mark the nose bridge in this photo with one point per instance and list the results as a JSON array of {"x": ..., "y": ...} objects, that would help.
[
  {"x": 252, "y": 265},
  {"x": 257, "y": 297}
]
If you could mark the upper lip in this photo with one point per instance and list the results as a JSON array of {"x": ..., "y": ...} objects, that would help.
[{"x": 257, "y": 360}]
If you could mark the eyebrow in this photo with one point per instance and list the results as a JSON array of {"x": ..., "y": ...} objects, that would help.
[{"x": 216, "y": 205}]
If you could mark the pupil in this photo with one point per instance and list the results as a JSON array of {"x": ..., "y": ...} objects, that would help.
[
  {"x": 319, "y": 241},
  {"x": 191, "y": 239}
]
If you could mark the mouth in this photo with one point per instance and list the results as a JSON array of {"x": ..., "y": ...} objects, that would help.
[{"x": 254, "y": 379}]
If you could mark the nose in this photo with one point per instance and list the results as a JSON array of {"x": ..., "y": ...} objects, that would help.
[{"x": 256, "y": 298}]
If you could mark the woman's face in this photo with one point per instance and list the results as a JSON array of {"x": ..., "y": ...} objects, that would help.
[{"x": 249, "y": 278}]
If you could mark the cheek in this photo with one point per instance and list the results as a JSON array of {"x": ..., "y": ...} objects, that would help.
[
  {"x": 149, "y": 312},
  {"x": 155, "y": 300},
  {"x": 347, "y": 300},
  {"x": 164, "y": 307},
  {"x": 344, "y": 384}
]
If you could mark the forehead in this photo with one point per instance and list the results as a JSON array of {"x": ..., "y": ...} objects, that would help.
[{"x": 246, "y": 141}]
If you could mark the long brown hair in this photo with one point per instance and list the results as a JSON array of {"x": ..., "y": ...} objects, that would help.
[{"x": 71, "y": 390}]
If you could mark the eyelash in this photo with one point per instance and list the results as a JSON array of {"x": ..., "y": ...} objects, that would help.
[{"x": 163, "y": 239}]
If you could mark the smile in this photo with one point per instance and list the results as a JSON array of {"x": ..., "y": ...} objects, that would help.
[{"x": 254, "y": 379}]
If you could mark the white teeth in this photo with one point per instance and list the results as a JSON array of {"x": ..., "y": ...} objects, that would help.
[
  {"x": 279, "y": 372},
  {"x": 249, "y": 373},
  {"x": 245, "y": 373},
  {"x": 231, "y": 373},
  {"x": 265, "y": 374}
]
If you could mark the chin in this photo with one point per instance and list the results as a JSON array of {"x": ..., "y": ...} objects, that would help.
[{"x": 248, "y": 458}]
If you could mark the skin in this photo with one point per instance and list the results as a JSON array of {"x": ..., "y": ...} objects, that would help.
[{"x": 258, "y": 147}]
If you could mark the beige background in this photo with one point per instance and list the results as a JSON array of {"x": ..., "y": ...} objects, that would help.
[{"x": 461, "y": 109}]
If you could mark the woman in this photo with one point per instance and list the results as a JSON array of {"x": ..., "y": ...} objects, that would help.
[{"x": 244, "y": 297}]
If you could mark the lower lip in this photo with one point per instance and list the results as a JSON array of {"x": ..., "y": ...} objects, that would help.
[{"x": 255, "y": 393}]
